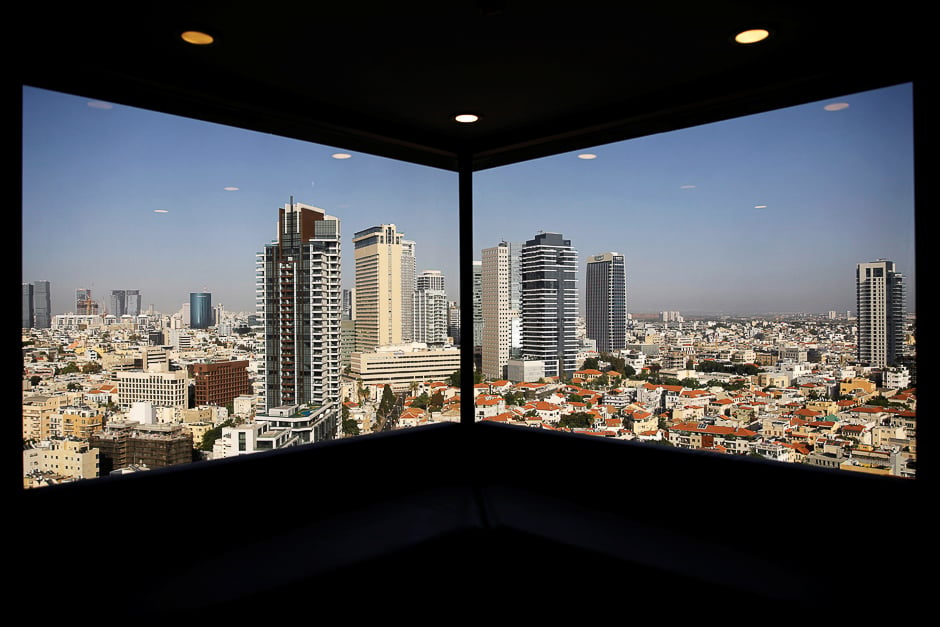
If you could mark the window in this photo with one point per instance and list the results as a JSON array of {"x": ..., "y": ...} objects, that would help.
[
  {"x": 741, "y": 240},
  {"x": 187, "y": 214}
]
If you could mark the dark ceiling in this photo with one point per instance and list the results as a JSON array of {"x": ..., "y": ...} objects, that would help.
[{"x": 387, "y": 77}]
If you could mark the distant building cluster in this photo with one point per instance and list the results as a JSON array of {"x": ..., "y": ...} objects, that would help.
[{"x": 113, "y": 388}]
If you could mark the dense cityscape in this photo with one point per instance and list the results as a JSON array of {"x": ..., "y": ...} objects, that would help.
[{"x": 114, "y": 387}]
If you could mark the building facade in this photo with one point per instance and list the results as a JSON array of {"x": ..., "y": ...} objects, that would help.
[
  {"x": 125, "y": 303},
  {"x": 28, "y": 312},
  {"x": 429, "y": 306},
  {"x": 42, "y": 305},
  {"x": 200, "y": 310},
  {"x": 880, "y": 308},
  {"x": 300, "y": 300},
  {"x": 85, "y": 305},
  {"x": 549, "y": 303},
  {"x": 408, "y": 287},
  {"x": 379, "y": 300},
  {"x": 401, "y": 366},
  {"x": 605, "y": 301},
  {"x": 501, "y": 302},
  {"x": 219, "y": 383},
  {"x": 160, "y": 389}
]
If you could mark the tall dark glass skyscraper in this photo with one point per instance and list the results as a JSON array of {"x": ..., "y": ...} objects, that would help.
[
  {"x": 42, "y": 305},
  {"x": 605, "y": 301},
  {"x": 200, "y": 310},
  {"x": 549, "y": 303},
  {"x": 28, "y": 315}
]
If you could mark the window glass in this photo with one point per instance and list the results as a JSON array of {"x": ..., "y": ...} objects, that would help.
[
  {"x": 184, "y": 281},
  {"x": 705, "y": 288}
]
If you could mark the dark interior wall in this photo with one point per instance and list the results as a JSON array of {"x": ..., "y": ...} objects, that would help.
[{"x": 439, "y": 514}]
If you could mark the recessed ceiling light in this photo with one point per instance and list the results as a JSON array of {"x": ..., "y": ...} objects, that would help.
[
  {"x": 341, "y": 155},
  {"x": 836, "y": 106},
  {"x": 230, "y": 188},
  {"x": 197, "y": 38},
  {"x": 160, "y": 211},
  {"x": 587, "y": 155},
  {"x": 466, "y": 118},
  {"x": 751, "y": 36}
]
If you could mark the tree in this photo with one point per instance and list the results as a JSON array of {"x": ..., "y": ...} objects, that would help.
[
  {"x": 590, "y": 364},
  {"x": 92, "y": 367},
  {"x": 387, "y": 401},
  {"x": 350, "y": 427},
  {"x": 436, "y": 403},
  {"x": 455, "y": 378},
  {"x": 576, "y": 420},
  {"x": 421, "y": 402},
  {"x": 34, "y": 380}
]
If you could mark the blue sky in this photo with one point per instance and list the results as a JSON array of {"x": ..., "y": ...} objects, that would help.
[
  {"x": 765, "y": 213},
  {"x": 834, "y": 188},
  {"x": 95, "y": 174}
]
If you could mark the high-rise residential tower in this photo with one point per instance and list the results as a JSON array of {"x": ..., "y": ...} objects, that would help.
[
  {"x": 880, "y": 300},
  {"x": 200, "y": 310},
  {"x": 477, "y": 331},
  {"x": 430, "y": 308},
  {"x": 605, "y": 301},
  {"x": 378, "y": 303},
  {"x": 299, "y": 300},
  {"x": 549, "y": 303},
  {"x": 501, "y": 280},
  {"x": 408, "y": 287}
]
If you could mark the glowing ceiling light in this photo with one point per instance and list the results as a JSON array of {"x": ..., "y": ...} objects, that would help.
[
  {"x": 836, "y": 106},
  {"x": 587, "y": 155},
  {"x": 466, "y": 118},
  {"x": 197, "y": 38},
  {"x": 341, "y": 155},
  {"x": 751, "y": 36}
]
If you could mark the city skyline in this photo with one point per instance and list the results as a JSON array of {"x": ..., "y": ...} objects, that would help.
[{"x": 759, "y": 214}]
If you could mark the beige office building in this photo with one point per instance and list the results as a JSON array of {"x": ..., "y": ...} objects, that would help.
[
  {"x": 381, "y": 261},
  {"x": 400, "y": 366}
]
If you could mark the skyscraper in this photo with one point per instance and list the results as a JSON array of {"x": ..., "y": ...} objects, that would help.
[
  {"x": 84, "y": 304},
  {"x": 880, "y": 301},
  {"x": 42, "y": 305},
  {"x": 408, "y": 287},
  {"x": 28, "y": 315},
  {"x": 430, "y": 308},
  {"x": 605, "y": 301},
  {"x": 549, "y": 303},
  {"x": 125, "y": 303},
  {"x": 477, "y": 304},
  {"x": 200, "y": 310},
  {"x": 378, "y": 297},
  {"x": 501, "y": 280},
  {"x": 299, "y": 301}
]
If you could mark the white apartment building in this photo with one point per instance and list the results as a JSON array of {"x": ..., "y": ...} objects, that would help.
[
  {"x": 501, "y": 302},
  {"x": 880, "y": 300},
  {"x": 429, "y": 311},
  {"x": 299, "y": 299},
  {"x": 161, "y": 389}
]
